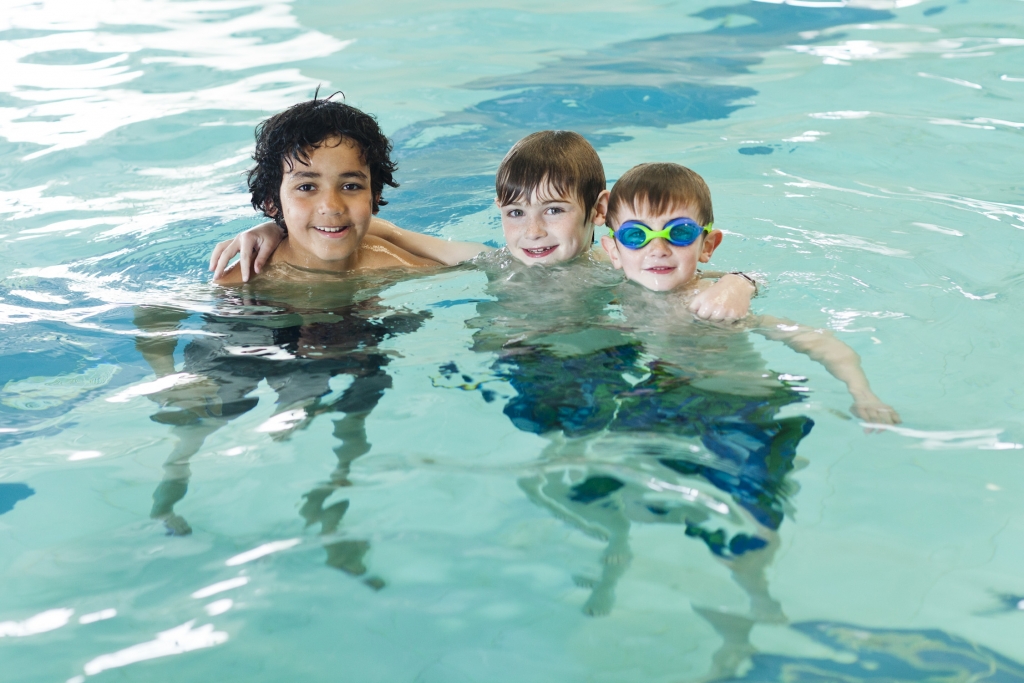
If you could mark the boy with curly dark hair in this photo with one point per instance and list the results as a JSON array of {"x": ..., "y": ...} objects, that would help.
[{"x": 321, "y": 167}]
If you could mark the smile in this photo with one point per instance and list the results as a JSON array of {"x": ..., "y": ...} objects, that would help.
[
  {"x": 660, "y": 270},
  {"x": 539, "y": 252},
  {"x": 332, "y": 230}
]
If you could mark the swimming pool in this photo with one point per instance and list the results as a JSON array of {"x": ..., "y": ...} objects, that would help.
[{"x": 863, "y": 157}]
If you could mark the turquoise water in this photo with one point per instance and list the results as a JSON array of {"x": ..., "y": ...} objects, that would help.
[{"x": 863, "y": 158}]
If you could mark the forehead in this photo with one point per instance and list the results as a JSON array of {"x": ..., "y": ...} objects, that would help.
[
  {"x": 333, "y": 151},
  {"x": 642, "y": 210},
  {"x": 545, "y": 193}
]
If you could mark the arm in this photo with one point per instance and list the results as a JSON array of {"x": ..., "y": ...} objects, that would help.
[
  {"x": 446, "y": 252},
  {"x": 840, "y": 360},
  {"x": 255, "y": 246},
  {"x": 726, "y": 300}
]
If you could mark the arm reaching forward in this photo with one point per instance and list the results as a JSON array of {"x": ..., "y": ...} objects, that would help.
[
  {"x": 840, "y": 360},
  {"x": 256, "y": 245},
  {"x": 446, "y": 252}
]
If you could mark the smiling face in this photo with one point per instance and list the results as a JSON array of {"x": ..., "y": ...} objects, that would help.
[
  {"x": 658, "y": 265},
  {"x": 327, "y": 205},
  {"x": 549, "y": 229}
]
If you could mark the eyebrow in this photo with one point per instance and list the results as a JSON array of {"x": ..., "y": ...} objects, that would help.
[
  {"x": 538, "y": 200},
  {"x": 314, "y": 174}
]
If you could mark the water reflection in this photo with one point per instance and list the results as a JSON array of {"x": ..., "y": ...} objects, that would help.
[
  {"x": 650, "y": 418},
  {"x": 79, "y": 71},
  {"x": 304, "y": 350}
]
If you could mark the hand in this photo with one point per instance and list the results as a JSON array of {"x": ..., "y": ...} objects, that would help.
[
  {"x": 254, "y": 248},
  {"x": 871, "y": 409},
  {"x": 726, "y": 300}
]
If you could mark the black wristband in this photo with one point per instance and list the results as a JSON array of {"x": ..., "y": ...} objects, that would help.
[{"x": 747, "y": 278}]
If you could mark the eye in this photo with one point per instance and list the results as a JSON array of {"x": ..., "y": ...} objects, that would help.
[
  {"x": 306, "y": 187},
  {"x": 352, "y": 187},
  {"x": 554, "y": 210},
  {"x": 514, "y": 213}
]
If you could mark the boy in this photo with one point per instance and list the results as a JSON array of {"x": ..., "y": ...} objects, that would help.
[
  {"x": 321, "y": 167},
  {"x": 668, "y": 422},
  {"x": 661, "y": 226},
  {"x": 550, "y": 188}
]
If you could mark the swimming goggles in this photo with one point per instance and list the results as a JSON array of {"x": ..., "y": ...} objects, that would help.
[{"x": 679, "y": 232}]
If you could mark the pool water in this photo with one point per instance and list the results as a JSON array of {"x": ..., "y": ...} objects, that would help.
[{"x": 487, "y": 474}]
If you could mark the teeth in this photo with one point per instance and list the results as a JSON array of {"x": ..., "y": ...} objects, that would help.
[{"x": 329, "y": 229}]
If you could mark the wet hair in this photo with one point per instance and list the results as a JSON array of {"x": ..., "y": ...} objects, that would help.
[
  {"x": 660, "y": 187},
  {"x": 290, "y": 136},
  {"x": 561, "y": 158}
]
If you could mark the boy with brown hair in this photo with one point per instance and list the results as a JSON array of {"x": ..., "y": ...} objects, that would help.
[{"x": 677, "y": 203}]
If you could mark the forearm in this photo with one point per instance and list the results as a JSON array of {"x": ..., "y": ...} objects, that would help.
[
  {"x": 444, "y": 251},
  {"x": 821, "y": 346}
]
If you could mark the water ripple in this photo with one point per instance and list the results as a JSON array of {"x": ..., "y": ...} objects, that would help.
[{"x": 67, "y": 105}]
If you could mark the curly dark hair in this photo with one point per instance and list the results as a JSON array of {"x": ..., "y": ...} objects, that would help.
[{"x": 290, "y": 136}]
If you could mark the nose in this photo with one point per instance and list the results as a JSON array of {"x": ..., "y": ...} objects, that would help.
[
  {"x": 659, "y": 247},
  {"x": 535, "y": 228},
  {"x": 332, "y": 203}
]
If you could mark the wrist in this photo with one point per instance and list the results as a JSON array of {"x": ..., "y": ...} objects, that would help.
[{"x": 749, "y": 280}]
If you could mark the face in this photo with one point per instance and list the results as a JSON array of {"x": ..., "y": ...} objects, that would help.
[
  {"x": 549, "y": 229},
  {"x": 659, "y": 265},
  {"x": 327, "y": 204}
]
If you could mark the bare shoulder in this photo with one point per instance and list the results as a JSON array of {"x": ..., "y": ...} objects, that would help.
[{"x": 376, "y": 252}]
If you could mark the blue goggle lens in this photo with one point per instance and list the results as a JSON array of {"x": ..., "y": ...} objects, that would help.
[{"x": 631, "y": 236}]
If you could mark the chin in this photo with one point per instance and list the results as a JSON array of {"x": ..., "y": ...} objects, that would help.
[{"x": 656, "y": 284}]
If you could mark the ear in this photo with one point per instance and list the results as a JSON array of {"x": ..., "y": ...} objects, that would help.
[
  {"x": 269, "y": 209},
  {"x": 612, "y": 249},
  {"x": 711, "y": 242},
  {"x": 599, "y": 213}
]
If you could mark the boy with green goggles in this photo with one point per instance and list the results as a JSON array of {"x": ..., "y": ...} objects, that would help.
[{"x": 679, "y": 200}]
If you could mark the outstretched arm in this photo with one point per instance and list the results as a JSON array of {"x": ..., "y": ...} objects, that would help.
[
  {"x": 255, "y": 246},
  {"x": 839, "y": 359},
  {"x": 446, "y": 252}
]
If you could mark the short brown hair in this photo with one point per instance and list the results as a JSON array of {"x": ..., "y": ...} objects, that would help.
[
  {"x": 660, "y": 187},
  {"x": 560, "y": 157}
]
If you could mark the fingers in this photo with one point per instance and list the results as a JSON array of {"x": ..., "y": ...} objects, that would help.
[
  {"x": 263, "y": 252},
  {"x": 876, "y": 413},
  {"x": 215, "y": 256},
  {"x": 222, "y": 263},
  {"x": 714, "y": 311},
  {"x": 227, "y": 250}
]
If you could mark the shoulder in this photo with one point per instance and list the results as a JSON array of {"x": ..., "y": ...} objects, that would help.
[{"x": 232, "y": 276}]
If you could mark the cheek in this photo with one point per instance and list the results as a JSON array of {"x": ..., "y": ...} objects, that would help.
[{"x": 568, "y": 232}]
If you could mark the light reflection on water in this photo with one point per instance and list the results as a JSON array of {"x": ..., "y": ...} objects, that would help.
[
  {"x": 460, "y": 547},
  {"x": 80, "y": 95}
]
